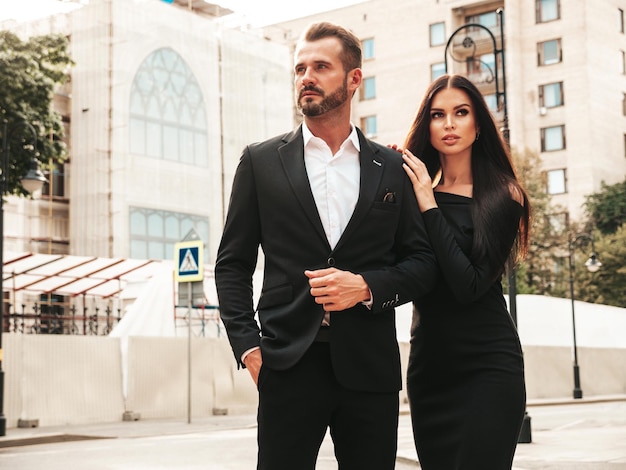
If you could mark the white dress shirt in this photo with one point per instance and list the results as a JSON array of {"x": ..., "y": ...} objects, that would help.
[{"x": 334, "y": 180}]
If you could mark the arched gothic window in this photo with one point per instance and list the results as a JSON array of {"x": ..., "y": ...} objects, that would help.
[{"x": 167, "y": 115}]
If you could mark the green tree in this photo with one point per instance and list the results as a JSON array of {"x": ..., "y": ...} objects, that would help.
[
  {"x": 608, "y": 285},
  {"x": 537, "y": 273},
  {"x": 607, "y": 208},
  {"x": 29, "y": 72}
]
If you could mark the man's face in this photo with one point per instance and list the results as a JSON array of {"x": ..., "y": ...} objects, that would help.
[{"x": 321, "y": 83}]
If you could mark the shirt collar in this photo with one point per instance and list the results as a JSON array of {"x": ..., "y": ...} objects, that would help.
[{"x": 353, "y": 137}]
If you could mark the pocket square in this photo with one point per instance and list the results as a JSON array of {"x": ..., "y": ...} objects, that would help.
[{"x": 389, "y": 196}]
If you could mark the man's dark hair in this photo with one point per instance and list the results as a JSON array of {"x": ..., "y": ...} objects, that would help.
[{"x": 351, "y": 54}]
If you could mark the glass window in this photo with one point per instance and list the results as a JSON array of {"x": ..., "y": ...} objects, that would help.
[
  {"x": 368, "y": 48},
  {"x": 437, "y": 70},
  {"x": 166, "y": 107},
  {"x": 437, "y": 34},
  {"x": 549, "y": 52},
  {"x": 368, "y": 90},
  {"x": 369, "y": 126},
  {"x": 492, "y": 102},
  {"x": 153, "y": 233},
  {"x": 557, "y": 183},
  {"x": 482, "y": 68},
  {"x": 489, "y": 19},
  {"x": 552, "y": 138},
  {"x": 551, "y": 95},
  {"x": 547, "y": 10},
  {"x": 620, "y": 20}
]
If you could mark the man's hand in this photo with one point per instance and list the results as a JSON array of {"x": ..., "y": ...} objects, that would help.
[
  {"x": 253, "y": 362},
  {"x": 337, "y": 290}
]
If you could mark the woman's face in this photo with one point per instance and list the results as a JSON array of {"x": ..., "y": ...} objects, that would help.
[{"x": 452, "y": 127}]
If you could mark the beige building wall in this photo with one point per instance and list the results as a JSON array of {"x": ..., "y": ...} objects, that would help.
[{"x": 592, "y": 72}]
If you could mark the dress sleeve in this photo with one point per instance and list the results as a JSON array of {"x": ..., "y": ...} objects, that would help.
[{"x": 468, "y": 279}]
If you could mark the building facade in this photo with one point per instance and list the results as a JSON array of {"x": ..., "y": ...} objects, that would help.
[
  {"x": 160, "y": 103},
  {"x": 565, "y": 72}
]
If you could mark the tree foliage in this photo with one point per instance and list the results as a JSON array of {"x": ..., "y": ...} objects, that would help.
[
  {"x": 607, "y": 208},
  {"x": 545, "y": 271},
  {"x": 29, "y": 72},
  {"x": 536, "y": 274}
]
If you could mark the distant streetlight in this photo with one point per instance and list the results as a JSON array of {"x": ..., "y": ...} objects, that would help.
[
  {"x": 32, "y": 181},
  {"x": 593, "y": 265}
]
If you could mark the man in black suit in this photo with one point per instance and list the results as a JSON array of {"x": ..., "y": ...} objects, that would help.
[{"x": 343, "y": 244}]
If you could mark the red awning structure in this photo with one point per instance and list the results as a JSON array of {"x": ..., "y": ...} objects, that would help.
[{"x": 73, "y": 275}]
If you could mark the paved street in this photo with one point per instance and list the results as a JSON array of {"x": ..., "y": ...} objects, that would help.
[{"x": 581, "y": 435}]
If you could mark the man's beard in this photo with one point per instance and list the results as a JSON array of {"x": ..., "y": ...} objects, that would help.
[{"x": 336, "y": 99}]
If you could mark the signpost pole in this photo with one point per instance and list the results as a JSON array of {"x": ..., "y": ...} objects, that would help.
[{"x": 189, "y": 262}]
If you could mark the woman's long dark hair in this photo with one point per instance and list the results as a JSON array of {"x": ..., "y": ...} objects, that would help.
[{"x": 494, "y": 178}]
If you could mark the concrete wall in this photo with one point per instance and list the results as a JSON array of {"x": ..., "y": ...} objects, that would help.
[{"x": 62, "y": 380}]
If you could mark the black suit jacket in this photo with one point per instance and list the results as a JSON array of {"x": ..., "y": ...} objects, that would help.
[{"x": 272, "y": 206}]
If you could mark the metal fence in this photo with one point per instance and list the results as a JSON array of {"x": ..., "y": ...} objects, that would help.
[{"x": 59, "y": 319}]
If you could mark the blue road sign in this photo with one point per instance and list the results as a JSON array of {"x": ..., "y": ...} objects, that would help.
[{"x": 188, "y": 258}]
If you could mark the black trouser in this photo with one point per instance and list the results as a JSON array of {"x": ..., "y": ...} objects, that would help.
[{"x": 296, "y": 406}]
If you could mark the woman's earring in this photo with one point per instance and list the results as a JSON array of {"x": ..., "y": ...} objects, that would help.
[{"x": 477, "y": 135}]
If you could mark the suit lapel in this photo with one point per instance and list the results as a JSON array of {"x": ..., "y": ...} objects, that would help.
[{"x": 292, "y": 158}]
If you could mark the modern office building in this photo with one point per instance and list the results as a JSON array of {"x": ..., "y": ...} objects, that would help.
[{"x": 565, "y": 71}]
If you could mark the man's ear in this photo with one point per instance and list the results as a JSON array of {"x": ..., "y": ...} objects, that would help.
[{"x": 355, "y": 77}]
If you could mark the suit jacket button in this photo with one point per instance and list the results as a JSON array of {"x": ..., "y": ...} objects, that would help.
[{"x": 331, "y": 262}]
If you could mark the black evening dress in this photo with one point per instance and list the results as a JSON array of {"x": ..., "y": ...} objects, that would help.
[{"x": 465, "y": 379}]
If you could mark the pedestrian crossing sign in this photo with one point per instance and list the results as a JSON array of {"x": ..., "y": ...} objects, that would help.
[{"x": 188, "y": 258}]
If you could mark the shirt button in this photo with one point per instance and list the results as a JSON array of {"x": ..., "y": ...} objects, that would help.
[{"x": 330, "y": 262}]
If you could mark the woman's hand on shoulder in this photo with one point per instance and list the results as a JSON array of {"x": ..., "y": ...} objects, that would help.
[{"x": 421, "y": 181}]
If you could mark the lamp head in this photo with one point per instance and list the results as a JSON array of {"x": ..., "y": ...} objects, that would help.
[
  {"x": 33, "y": 180},
  {"x": 593, "y": 264}
]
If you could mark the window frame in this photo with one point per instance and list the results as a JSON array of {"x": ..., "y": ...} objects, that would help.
[
  {"x": 543, "y": 138},
  {"x": 539, "y": 10},
  {"x": 562, "y": 186},
  {"x": 434, "y": 37},
  {"x": 365, "y": 127},
  {"x": 364, "y": 46},
  {"x": 368, "y": 90},
  {"x": 432, "y": 70},
  {"x": 541, "y": 53},
  {"x": 542, "y": 95}
]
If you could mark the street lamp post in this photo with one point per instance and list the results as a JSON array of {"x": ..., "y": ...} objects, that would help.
[
  {"x": 32, "y": 181},
  {"x": 593, "y": 265},
  {"x": 500, "y": 89}
]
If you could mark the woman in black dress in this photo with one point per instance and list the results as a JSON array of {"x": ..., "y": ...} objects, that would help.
[{"x": 466, "y": 373}]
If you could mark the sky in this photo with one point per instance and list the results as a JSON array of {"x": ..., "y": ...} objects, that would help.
[{"x": 252, "y": 12}]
